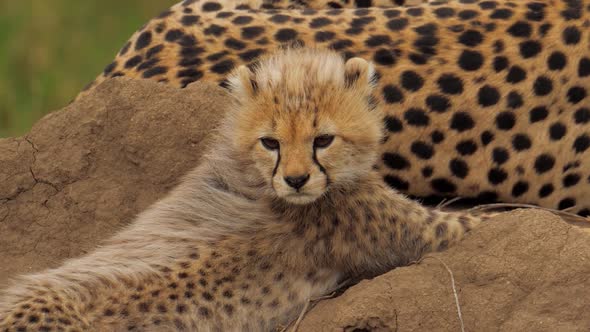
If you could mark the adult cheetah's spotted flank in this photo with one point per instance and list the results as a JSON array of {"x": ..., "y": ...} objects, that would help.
[{"x": 483, "y": 99}]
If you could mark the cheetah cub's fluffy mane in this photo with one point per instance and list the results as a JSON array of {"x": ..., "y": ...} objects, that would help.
[
  {"x": 285, "y": 206},
  {"x": 318, "y": 112}
]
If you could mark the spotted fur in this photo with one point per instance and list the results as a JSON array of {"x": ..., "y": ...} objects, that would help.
[
  {"x": 232, "y": 250},
  {"x": 483, "y": 99}
]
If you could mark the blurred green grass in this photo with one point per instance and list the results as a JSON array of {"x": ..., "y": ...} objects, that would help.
[{"x": 50, "y": 49}]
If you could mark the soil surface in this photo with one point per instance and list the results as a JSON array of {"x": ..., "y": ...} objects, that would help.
[{"x": 84, "y": 171}]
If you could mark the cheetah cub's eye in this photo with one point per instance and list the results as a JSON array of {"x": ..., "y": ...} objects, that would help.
[
  {"x": 270, "y": 143},
  {"x": 323, "y": 141}
]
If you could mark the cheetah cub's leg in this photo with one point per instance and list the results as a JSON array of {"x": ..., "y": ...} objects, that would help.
[{"x": 385, "y": 229}]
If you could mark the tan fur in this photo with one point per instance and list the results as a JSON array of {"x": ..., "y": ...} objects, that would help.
[{"x": 226, "y": 250}]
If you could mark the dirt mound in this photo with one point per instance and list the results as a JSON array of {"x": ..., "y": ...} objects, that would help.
[
  {"x": 523, "y": 271},
  {"x": 86, "y": 170}
]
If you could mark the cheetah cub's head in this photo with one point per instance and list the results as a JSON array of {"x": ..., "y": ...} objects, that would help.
[{"x": 306, "y": 120}]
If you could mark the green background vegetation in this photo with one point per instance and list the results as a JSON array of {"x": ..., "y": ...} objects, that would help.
[{"x": 50, "y": 49}]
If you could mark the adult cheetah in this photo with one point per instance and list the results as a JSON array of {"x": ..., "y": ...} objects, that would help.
[
  {"x": 284, "y": 207},
  {"x": 483, "y": 99}
]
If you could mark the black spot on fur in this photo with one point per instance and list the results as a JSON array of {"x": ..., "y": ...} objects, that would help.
[
  {"x": 486, "y": 137},
  {"x": 497, "y": 175},
  {"x": 459, "y": 168},
  {"x": 319, "y": 22},
  {"x": 582, "y": 115},
  {"x": 467, "y": 14},
  {"x": 470, "y": 60},
  {"x": 395, "y": 161},
  {"x": 285, "y": 35},
  {"x": 521, "y": 142},
  {"x": 471, "y": 38},
  {"x": 438, "y": 103},
  {"x": 530, "y": 48},
  {"x": 252, "y": 32},
  {"x": 576, "y": 94},
  {"x": 222, "y": 67},
  {"x": 571, "y": 180},
  {"x": 384, "y": 57},
  {"x": 500, "y": 155},
  {"x": 144, "y": 39},
  {"x": 557, "y": 131},
  {"x": 505, "y": 120},
  {"x": 279, "y": 18},
  {"x": 544, "y": 163},
  {"x": 581, "y": 143},
  {"x": 158, "y": 70},
  {"x": 503, "y": 14},
  {"x": 422, "y": 150},
  {"x": 542, "y": 86},
  {"x": 500, "y": 63},
  {"x": 411, "y": 81},
  {"x": 211, "y": 6},
  {"x": 488, "y": 96},
  {"x": 251, "y": 55},
  {"x": 566, "y": 203},
  {"x": 444, "y": 12},
  {"x": 397, "y": 24},
  {"x": 520, "y": 188},
  {"x": 466, "y": 147},
  {"x": 377, "y": 40},
  {"x": 450, "y": 84},
  {"x": 417, "y": 117},
  {"x": 538, "y": 113},
  {"x": 396, "y": 182},
  {"x": 520, "y": 29},
  {"x": 571, "y": 35},
  {"x": 443, "y": 185},
  {"x": 462, "y": 121},
  {"x": 215, "y": 30},
  {"x": 584, "y": 67},
  {"x": 556, "y": 61},
  {"x": 242, "y": 19},
  {"x": 393, "y": 124},
  {"x": 323, "y": 36},
  {"x": 514, "y": 100},
  {"x": 188, "y": 20},
  {"x": 392, "y": 94},
  {"x": 546, "y": 190}
]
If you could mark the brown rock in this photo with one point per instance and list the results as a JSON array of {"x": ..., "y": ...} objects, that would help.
[{"x": 85, "y": 171}]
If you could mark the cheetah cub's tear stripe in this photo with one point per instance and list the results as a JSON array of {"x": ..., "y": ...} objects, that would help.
[{"x": 284, "y": 207}]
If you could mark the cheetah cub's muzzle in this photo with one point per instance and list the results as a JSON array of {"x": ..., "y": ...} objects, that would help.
[{"x": 308, "y": 126}]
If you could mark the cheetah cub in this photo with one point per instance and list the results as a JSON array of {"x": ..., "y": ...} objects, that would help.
[{"x": 284, "y": 207}]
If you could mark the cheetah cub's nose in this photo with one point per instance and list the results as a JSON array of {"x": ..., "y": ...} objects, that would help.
[{"x": 296, "y": 182}]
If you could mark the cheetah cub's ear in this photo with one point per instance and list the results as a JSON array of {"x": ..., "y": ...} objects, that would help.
[
  {"x": 360, "y": 74},
  {"x": 242, "y": 84}
]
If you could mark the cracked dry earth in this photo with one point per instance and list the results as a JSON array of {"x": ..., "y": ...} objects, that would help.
[{"x": 83, "y": 172}]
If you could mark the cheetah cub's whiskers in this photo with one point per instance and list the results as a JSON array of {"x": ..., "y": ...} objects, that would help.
[{"x": 284, "y": 207}]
